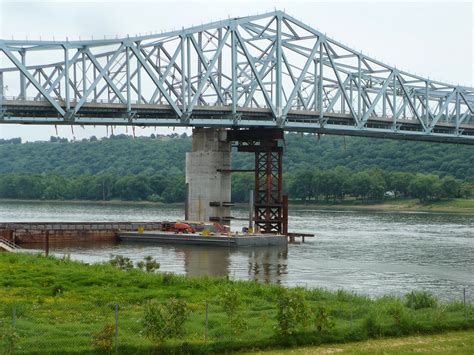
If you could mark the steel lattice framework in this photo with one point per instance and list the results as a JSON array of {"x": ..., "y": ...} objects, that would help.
[{"x": 268, "y": 70}]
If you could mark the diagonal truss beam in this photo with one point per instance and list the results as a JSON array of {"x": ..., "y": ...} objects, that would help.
[
  {"x": 381, "y": 92},
  {"x": 30, "y": 77},
  {"x": 297, "y": 86},
  {"x": 153, "y": 77},
  {"x": 354, "y": 114},
  {"x": 256, "y": 73},
  {"x": 102, "y": 74},
  {"x": 106, "y": 77}
]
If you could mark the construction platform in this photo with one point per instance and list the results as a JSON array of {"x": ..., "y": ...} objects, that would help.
[{"x": 243, "y": 240}]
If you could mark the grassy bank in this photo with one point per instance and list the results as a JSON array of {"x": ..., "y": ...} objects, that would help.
[
  {"x": 64, "y": 306},
  {"x": 460, "y": 342},
  {"x": 401, "y": 204}
]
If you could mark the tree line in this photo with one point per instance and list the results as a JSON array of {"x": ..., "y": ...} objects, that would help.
[
  {"x": 101, "y": 187},
  {"x": 152, "y": 168},
  {"x": 158, "y": 154},
  {"x": 374, "y": 185},
  {"x": 305, "y": 185}
]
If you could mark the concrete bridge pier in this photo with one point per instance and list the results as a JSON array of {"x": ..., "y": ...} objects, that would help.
[{"x": 208, "y": 176}]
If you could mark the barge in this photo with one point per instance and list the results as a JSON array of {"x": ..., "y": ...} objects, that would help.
[{"x": 231, "y": 240}]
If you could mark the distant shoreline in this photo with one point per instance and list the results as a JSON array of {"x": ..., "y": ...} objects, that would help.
[{"x": 398, "y": 205}]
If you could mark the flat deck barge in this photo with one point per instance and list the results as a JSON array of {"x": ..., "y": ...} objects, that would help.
[{"x": 233, "y": 240}]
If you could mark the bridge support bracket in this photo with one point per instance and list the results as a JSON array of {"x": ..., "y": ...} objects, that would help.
[
  {"x": 185, "y": 118},
  {"x": 396, "y": 127},
  {"x": 281, "y": 121},
  {"x": 131, "y": 115},
  {"x": 236, "y": 118},
  {"x": 70, "y": 116}
]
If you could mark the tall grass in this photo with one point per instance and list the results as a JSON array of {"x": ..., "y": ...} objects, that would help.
[{"x": 65, "y": 306}]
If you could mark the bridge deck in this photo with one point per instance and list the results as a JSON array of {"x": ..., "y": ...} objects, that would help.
[{"x": 100, "y": 113}]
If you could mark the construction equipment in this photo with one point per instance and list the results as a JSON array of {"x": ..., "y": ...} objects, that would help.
[{"x": 176, "y": 227}]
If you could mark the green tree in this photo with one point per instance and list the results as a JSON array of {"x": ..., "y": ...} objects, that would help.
[
  {"x": 301, "y": 185},
  {"x": 450, "y": 187},
  {"x": 424, "y": 187}
]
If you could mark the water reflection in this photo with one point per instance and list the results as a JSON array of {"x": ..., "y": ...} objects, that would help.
[
  {"x": 369, "y": 252},
  {"x": 264, "y": 264},
  {"x": 200, "y": 260},
  {"x": 268, "y": 265}
]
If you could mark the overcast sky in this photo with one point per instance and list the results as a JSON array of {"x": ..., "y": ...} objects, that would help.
[{"x": 433, "y": 39}]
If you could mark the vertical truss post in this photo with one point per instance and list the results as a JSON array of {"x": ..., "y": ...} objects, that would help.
[
  {"x": 343, "y": 102},
  {"x": 199, "y": 63},
  {"x": 22, "y": 76},
  {"x": 183, "y": 71},
  {"x": 219, "y": 70},
  {"x": 95, "y": 77},
  {"x": 320, "y": 81},
  {"x": 315, "y": 83},
  {"x": 158, "y": 64},
  {"x": 106, "y": 74},
  {"x": 427, "y": 113},
  {"x": 1, "y": 88},
  {"x": 359, "y": 93},
  {"x": 278, "y": 78},
  {"x": 384, "y": 103},
  {"x": 351, "y": 88},
  {"x": 66, "y": 79},
  {"x": 394, "y": 110},
  {"x": 234, "y": 71},
  {"x": 129, "y": 92},
  {"x": 188, "y": 66},
  {"x": 74, "y": 80},
  {"x": 84, "y": 76},
  {"x": 457, "y": 110},
  {"x": 139, "y": 77}
]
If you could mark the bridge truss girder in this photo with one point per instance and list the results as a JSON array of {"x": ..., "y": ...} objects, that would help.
[{"x": 269, "y": 70}]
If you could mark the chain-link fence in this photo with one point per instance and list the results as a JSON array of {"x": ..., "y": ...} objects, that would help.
[{"x": 56, "y": 326}]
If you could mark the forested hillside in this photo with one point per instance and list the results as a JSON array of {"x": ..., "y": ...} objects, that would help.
[
  {"x": 152, "y": 168},
  {"x": 124, "y": 155}
]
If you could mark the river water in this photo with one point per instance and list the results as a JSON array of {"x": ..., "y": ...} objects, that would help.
[{"x": 369, "y": 252}]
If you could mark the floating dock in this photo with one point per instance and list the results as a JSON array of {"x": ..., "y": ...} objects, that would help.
[{"x": 233, "y": 240}]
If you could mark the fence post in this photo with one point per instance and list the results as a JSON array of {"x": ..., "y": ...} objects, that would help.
[
  {"x": 206, "y": 322},
  {"x": 14, "y": 317},
  {"x": 464, "y": 302},
  {"x": 46, "y": 243},
  {"x": 350, "y": 306},
  {"x": 116, "y": 327}
]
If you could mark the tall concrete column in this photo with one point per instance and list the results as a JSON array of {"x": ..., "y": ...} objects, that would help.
[{"x": 208, "y": 176}]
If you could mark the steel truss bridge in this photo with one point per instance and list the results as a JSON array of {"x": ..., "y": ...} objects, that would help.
[{"x": 265, "y": 71}]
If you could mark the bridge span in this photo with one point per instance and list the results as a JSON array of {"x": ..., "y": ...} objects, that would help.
[{"x": 243, "y": 79}]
